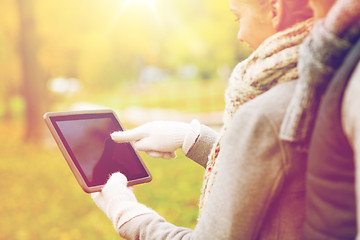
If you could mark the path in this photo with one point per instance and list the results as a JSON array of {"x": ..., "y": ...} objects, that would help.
[{"x": 139, "y": 115}]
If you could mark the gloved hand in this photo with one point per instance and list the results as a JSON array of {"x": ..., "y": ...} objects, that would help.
[
  {"x": 118, "y": 201},
  {"x": 160, "y": 139}
]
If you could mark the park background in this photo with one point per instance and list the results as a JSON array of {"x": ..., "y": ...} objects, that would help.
[{"x": 159, "y": 57}]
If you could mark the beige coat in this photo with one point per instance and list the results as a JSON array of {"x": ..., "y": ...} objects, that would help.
[{"x": 259, "y": 191}]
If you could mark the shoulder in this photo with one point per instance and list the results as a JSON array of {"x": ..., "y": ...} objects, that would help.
[
  {"x": 270, "y": 105},
  {"x": 256, "y": 124},
  {"x": 254, "y": 129}
]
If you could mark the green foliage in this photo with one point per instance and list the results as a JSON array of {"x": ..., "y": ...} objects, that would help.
[
  {"x": 41, "y": 199},
  {"x": 106, "y": 43},
  {"x": 110, "y": 41}
]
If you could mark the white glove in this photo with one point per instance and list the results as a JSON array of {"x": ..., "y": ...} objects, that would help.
[
  {"x": 118, "y": 201},
  {"x": 160, "y": 139}
]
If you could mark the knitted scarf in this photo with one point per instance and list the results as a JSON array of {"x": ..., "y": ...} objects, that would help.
[
  {"x": 273, "y": 62},
  {"x": 320, "y": 55}
]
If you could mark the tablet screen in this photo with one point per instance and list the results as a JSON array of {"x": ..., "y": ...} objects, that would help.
[{"x": 86, "y": 138}]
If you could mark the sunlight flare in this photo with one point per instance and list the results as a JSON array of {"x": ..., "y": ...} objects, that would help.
[
  {"x": 130, "y": 5},
  {"x": 138, "y": 4}
]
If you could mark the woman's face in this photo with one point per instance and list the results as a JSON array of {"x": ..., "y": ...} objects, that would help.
[
  {"x": 320, "y": 7},
  {"x": 255, "y": 24}
]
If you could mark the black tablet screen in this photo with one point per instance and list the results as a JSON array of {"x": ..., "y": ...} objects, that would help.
[{"x": 87, "y": 140}]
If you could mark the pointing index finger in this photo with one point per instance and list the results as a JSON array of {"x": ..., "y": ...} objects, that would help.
[{"x": 126, "y": 136}]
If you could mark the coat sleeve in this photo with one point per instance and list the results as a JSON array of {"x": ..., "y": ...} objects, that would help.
[{"x": 201, "y": 149}]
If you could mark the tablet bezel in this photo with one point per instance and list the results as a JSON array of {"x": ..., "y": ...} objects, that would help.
[{"x": 72, "y": 163}]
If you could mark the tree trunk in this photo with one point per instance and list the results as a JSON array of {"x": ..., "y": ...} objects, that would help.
[{"x": 33, "y": 88}]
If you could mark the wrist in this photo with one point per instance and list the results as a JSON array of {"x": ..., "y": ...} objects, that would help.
[
  {"x": 125, "y": 211},
  {"x": 191, "y": 136},
  {"x": 179, "y": 132}
]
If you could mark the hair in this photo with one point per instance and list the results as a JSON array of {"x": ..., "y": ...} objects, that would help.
[{"x": 294, "y": 11}]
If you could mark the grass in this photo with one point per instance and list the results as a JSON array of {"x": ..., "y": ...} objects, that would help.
[{"x": 41, "y": 199}]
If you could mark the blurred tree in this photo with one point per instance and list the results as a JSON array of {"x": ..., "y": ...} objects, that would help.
[
  {"x": 33, "y": 87},
  {"x": 103, "y": 43},
  {"x": 9, "y": 74}
]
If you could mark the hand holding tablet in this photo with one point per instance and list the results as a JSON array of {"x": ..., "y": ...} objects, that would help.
[{"x": 84, "y": 139}]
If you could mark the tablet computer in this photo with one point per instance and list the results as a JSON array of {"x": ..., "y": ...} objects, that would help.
[{"x": 84, "y": 139}]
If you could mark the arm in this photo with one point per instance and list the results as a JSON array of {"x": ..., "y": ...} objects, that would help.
[
  {"x": 351, "y": 125},
  {"x": 160, "y": 139},
  {"x": 247, "y": 182},
  {"x": 250, "y": 179}
]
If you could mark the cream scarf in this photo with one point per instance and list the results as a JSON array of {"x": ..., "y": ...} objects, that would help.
[{"x": 273, "y": 62}]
